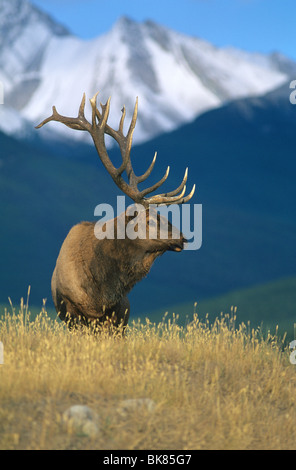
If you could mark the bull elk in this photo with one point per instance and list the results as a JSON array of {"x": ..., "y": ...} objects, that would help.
[{"x": 92, "y": 276}]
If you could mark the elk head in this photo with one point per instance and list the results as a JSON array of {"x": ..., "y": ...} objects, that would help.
[{"x": 93, "y": 274}]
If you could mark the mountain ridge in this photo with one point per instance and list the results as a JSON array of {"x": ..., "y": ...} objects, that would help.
[{"x": 176, "y": 77}]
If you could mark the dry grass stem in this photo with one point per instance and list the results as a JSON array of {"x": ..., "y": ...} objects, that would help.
[{"x": 215, "y": 386}]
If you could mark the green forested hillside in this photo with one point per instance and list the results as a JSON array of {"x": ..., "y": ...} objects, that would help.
[{"x": 272, "y": 304}]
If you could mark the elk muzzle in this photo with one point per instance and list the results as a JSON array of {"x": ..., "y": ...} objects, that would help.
[{"x": 177, "y": 245}]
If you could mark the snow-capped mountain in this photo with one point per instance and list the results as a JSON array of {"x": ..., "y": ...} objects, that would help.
[{"x": 176, "y": 77}]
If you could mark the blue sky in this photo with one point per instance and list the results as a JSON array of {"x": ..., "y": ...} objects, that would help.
[{"x": 253, "y": 25}]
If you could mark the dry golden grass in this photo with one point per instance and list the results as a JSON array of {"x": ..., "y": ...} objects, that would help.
[{"x": 215, "y": 387}]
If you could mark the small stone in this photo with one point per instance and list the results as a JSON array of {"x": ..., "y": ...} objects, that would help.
[
  {"x": 81, "y": 419},
  {"x": 90, "y": 429},
  {"x": 136, "y": 405}
]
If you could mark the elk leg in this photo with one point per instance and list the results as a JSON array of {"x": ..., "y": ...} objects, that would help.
[
  {"x": 123, "y": 312},
  {"x": 67, "y": 312},
  {"x": 117, "y": 317}
]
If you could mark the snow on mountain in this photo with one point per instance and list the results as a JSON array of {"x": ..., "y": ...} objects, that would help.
[
  {"x": 176, "y": 77},
  {"x": 24, "y": 35}
]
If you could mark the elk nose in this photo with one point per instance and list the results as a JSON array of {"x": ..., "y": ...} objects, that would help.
[{"x": 183, "y": 239}]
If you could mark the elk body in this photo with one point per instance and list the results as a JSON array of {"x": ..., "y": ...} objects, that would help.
[{"x": 93, "y": 275}]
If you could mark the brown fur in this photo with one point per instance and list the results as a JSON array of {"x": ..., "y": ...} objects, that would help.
[{"x": 92, "y": 277}]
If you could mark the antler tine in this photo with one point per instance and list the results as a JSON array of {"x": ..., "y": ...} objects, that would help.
[
  {"x": 132, "y": 124},
  {"x": 176, "y": 191},
  {"x": 102, "y": 118},
  {"x": 93, "y": 102},
  {"x": 105, "y": 114},
  {"x": 108, "y": 130},
  {"x": 126, "y": 145},
  {"x": 187, "y": 198},
  {"x": 97, "y": 129},
  {"x": 116, "y": 135},
  {"x": 81, "y": 114},
  {"x": 157, "y": 199},
  {"x": 123, "y": 113},
  {"x": 79, "y": 123},
  {"x": 156, "y": 185},
  {"x": 163, "y": 200},
  {"x": 98, "y": 132},
  {"x": 50, "y": 118},
  {"x": 182, "y": 185},
  {"x": 148, "y": 172}
]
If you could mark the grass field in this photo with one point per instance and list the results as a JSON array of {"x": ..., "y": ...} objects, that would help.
[{"x": 216, "y": 386}]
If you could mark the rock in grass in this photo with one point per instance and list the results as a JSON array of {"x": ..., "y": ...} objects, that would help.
[
  {"x": 135, "y": 405},
  {"x": 81, "y": 420}
]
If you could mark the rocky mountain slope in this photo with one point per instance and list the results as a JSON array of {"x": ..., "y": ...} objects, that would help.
[{"x": 176, "y": 77}]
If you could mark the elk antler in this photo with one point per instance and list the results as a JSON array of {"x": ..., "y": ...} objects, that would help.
[{"x": 97, "y": 129}]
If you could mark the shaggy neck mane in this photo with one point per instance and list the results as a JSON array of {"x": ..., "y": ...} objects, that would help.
[{"x": 126, "y": 266}]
